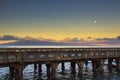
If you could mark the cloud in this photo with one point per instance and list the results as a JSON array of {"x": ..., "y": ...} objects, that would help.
[
  {"x": 9, "y": 37},
  {"x": 28, "y": 41},
  {"x": 67, "y": 41},
  {"x": 72, "y": 40},
  {"x": 118, "y": 38},
  {"x": 36, "y": 42},
  {"x": 101, "y": 39},
  {"x": 76, "y": 39},
  {"x": 108, "y": 41}
]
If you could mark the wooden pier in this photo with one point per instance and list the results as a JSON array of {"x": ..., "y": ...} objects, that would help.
[{"x": 18, "y": 58}]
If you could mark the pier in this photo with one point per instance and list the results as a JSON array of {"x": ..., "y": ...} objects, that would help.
[{"x": 18, "y": 58}]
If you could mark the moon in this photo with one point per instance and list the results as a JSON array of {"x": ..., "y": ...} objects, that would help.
[{"x": 95, "y": 21}]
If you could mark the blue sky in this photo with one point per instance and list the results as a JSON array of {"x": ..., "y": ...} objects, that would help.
[{"x": 59, "y": 19}]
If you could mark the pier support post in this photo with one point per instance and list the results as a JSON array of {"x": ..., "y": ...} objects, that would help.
[
  {"x": 117, "y": 64},
  {"x": 110, "y": 65},
  {"x": 101, "y": 65},
  {"x": 94, "y": 66},
  {"x": 48, "y": 70},
  {"x": 97, "y": 64},
  {"x": 35, "y": 67},
  {"x": 17, "y": 69},
  {"x": 18, "y": 73},
  {"x": 62, "y": 66},
  {"x": 73, "y": 68},
  {"x": 80, "y": 67},
  {"x": 54, "y": 66},
  {"x": 86, "y": 64},
  {"x": 39, "y": 68},
  {"x": 12, "y": 72}
]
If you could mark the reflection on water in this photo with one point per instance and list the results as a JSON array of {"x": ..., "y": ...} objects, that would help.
[{"x": 30, "y": 74}]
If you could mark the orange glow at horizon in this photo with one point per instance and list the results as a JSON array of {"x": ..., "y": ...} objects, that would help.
[
  {"x": 6, "y": 41},
  {"x": 59, "y": 33},
  {"x": 62, "y": 36}
]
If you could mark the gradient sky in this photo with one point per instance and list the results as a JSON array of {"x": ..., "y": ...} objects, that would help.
[{"x": 58, "y": 19}]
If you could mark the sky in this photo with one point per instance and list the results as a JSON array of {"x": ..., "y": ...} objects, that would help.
[{"x": 60, "y": 19}]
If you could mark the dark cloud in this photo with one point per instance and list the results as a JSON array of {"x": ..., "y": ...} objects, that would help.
[
  {"x": 104, "y": 39},
  {"x": 30, "y": 41},
  {"x": 118, "y": 38},
  {"x": 9, "y": 37},
  {"x": 108, "y": 41},
  {"x": 35, "y": 42}
]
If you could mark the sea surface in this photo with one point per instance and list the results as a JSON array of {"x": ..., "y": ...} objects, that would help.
[{"x": 30, "y": 74}]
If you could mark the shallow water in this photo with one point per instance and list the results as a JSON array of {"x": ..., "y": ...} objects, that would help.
[{"x": 30, "y": 74}]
